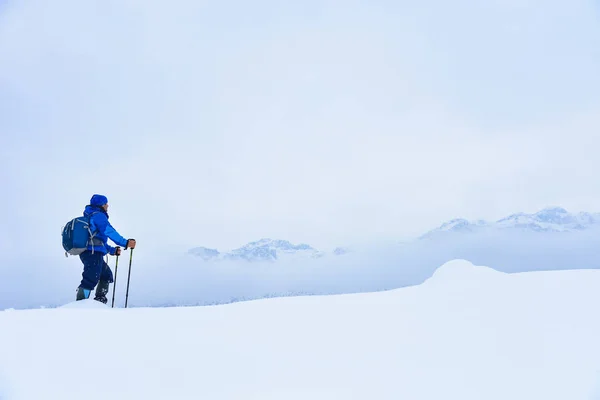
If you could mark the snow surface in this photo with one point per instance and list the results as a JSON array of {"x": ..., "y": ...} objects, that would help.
[{"x": 468, "y": 332}]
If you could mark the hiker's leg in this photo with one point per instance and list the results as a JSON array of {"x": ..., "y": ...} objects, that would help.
[
  {"x": 106, "y": 278},
  {"x": 92, "y": 269}
]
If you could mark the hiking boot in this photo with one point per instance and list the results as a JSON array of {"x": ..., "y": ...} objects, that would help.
[
  {"x": 83, "y": 294},
  {"x": 101, "y": 292}
]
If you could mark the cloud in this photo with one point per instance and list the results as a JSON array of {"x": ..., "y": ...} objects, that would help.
[{"x": 323, "y": 122}]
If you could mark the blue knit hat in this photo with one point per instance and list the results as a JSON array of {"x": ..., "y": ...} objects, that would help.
[{"x": 98, "y": 200}]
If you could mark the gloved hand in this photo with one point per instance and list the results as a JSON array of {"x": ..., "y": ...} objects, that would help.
[
  {"x": 117, "y": 251},
  {"x": 130, "y": 244}
]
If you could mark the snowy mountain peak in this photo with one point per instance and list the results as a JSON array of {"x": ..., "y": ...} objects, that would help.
[
  {"x": 204, "y": 253},
  {"x": 261, "y": 250},
  {"x": 553, "y": 214},
  {"x": 461, "y": 225},
  {"x": 550, "y": 219},
  {"x": 276, "y": 244},
  {"x": 270, "y": 250},
  {"x": 454, "y": 224}
]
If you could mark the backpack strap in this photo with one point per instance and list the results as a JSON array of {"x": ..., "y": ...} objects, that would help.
[{"x": 92, "y": 234}]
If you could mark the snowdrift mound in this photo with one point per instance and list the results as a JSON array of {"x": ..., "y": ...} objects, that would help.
[
  {"x": 85, "y": 304},
  {"x": 468, "y": 333},
  {"x": 463, "y": 273}
]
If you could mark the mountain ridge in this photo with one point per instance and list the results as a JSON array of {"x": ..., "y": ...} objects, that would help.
[
  {"x": 549, "y": 219},
  {"x": 265, "y": 249}
]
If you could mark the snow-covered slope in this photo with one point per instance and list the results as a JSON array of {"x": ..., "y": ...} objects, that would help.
[
  {"x": 457, "y": 336},
  {"x": 261, "y": 250},
  {"x": 553, "y": 219}
]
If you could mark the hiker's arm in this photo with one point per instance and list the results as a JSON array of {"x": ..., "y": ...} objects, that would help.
[
  {"x": 99, "y": 222},
  {"x": 114, "y": 235}
]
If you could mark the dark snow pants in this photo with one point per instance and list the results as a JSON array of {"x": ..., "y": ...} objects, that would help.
[{"x": 94, "y": 269}]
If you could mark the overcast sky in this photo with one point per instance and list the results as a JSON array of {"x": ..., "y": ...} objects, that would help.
[{"x": 326, "y": 122}]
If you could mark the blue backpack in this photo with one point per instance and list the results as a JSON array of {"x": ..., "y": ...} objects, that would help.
[{"x": 76, "y": 235}]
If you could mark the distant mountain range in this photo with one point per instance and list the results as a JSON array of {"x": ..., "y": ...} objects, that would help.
[
  {"x": 552, "y": 219},
  {"x": 264, "y": 250}
]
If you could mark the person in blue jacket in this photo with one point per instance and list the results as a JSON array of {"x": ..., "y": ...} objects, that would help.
[{"x": 96, "y": 272}]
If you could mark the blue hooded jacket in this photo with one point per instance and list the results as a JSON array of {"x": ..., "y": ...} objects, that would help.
[{"x": 101, "y": 228}]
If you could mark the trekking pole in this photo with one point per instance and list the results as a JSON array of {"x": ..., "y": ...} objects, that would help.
[
  {"x": 128, "y": 276},
  {"x": 115, "y": 284}
]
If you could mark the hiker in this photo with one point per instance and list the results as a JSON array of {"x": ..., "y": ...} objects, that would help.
[{"x": 95, "y": 270}]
